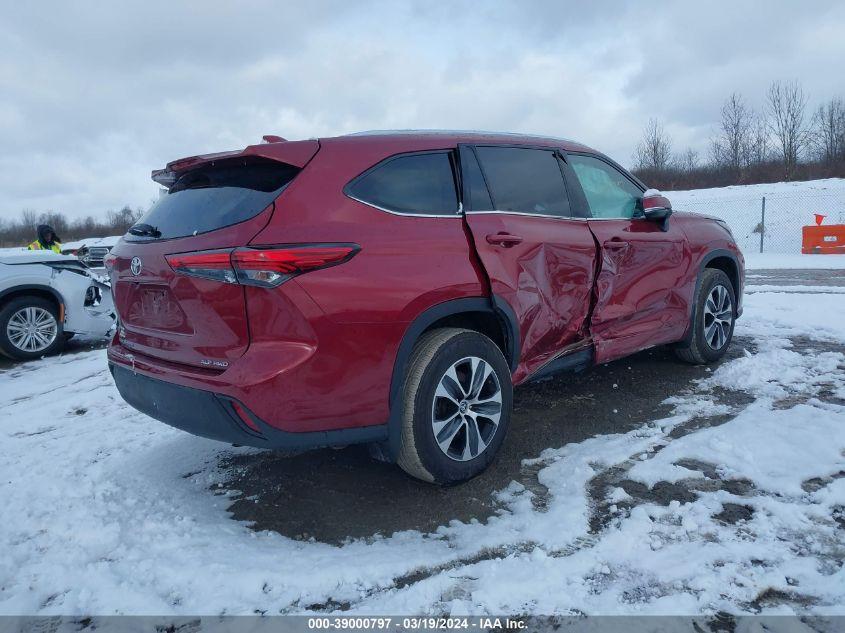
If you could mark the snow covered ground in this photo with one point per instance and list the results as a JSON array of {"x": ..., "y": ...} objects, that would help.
[
  {"x": 781, "y": 261},
  {"x": 106, "y": 511},
  {"x": 824, "y": 186},
  {"x": 789, "y": 206}
]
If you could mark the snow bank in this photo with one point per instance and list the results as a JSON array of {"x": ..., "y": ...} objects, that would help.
[{"x": 822, "y": 186}]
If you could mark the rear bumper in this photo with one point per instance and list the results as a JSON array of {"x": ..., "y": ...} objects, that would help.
[{"x": 222, "y": 418}]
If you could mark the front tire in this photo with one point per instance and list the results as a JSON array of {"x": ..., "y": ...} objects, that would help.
[
  {"x": 713, "y": 320},
  {"x": 30, "y": 328},
  {"x": 457, "y": 401}
]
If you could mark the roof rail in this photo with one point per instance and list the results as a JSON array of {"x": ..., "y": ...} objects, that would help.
[{"x": 456, "y": 132}]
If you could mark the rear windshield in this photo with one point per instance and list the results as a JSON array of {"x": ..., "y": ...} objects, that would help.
[{"x": 212, "y": 197}]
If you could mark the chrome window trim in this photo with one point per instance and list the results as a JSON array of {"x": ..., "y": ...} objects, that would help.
[
  {"x": 551, "y": 217},
  {"x": 457, "y": 214},
  {"x": 460, "y": 213},
  {"x": 523, "y": 213}
]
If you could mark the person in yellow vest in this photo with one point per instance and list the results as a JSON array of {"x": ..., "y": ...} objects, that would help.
[{"x": 47, "y": 240}]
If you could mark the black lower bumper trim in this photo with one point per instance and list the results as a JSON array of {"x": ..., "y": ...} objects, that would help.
[{"x": 211, "y": 415}]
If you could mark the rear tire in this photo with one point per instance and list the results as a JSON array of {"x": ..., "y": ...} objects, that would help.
[
  {"x": 713, "y": 319},
  {"x": 456, "y": 406},
  {"x": 30, "y": 328}
]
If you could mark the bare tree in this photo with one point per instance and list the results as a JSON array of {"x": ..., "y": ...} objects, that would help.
[
  {"x": 29, "y": 218},
  {"x": 731, "y": 147},
  {"x": 759, "y": 148},
  {"x": 121, "y": 220},
  {"x": 828, "y": 133},
  {"x": 654, "y": 151},
  {"x": 688, "y": 161},
  {"x": 786, "y": 104}
]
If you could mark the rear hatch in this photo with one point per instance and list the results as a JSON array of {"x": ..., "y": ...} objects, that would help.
[{"x": 214, "y": 205}]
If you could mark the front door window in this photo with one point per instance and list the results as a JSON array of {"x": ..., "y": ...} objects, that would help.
[{"x": 609, "y": 193}]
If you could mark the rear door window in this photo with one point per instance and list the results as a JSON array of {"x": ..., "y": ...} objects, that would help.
[
  {"x": 525, "y": 180},
  {"x": 214, "y": 196},
  {"x": 476, "y": 195},
  {"x": 609, "y": 192},
  {"x": 417, "y": 184}
]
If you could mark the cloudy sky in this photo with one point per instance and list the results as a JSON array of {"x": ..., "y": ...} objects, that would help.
[{"x": 95, "y": 95}]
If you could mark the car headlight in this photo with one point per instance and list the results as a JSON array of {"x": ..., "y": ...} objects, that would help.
[{"x": 92, "y": 296}]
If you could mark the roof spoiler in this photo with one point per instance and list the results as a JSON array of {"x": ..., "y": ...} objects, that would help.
[{"x": 296, "y": 153}]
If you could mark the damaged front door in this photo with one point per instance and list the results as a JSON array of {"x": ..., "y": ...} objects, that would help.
[{"x": 642, "y": 267}]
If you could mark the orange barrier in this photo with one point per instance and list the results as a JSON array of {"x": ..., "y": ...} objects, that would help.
[{"x": 823, "y": 240}]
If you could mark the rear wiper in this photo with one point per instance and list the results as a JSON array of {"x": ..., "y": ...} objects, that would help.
[{"x": 145, "y": 230}]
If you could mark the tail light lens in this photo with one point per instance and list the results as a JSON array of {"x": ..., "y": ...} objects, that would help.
[
  {"x": 215, "y": 265},
  {"x": 271, "y": 267},
  {"x": 266, "y": 267},
  {"x": 108, "y": 262}
]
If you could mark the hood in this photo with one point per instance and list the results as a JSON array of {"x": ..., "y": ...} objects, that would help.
[{"x": 35, "y": 257}]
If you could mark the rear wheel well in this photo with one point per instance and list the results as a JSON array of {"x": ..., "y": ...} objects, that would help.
[
  {"x": 727, "y": 266},
  {"x": 486, "y": 323}
]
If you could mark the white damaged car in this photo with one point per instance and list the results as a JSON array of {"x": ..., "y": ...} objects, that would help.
[{"x": 45, "y": 299}]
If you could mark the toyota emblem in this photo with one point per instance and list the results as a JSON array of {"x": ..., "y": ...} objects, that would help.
[{"x": 135, "y": 266}]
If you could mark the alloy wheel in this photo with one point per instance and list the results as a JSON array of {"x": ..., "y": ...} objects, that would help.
[
  {"x": 32, "y": 329},
  {"x": 467, "y": 408},
  {"x": 718, "y": 317}
]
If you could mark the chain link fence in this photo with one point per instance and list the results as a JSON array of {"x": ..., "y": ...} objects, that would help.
[{"x": 767, "y": 224}]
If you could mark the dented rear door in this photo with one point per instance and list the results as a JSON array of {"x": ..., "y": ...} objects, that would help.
[{"x": 539, "y": 259}]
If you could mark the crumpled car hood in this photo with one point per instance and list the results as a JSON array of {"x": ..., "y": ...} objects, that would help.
[{"x": 35, "y": 257}]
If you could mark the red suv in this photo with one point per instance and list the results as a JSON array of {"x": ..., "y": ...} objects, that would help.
[{"x": 391, "y": 288}]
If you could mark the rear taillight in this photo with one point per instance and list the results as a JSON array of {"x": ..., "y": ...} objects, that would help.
[
  {"x": 108, "y": 262},
  {"x": 262, "y": 266},
  {"x": 216, "y": 265},
  {"x": 270, "y": 267}
]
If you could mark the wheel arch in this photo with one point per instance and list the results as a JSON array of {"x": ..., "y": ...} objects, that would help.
[
  {"x": 32, "y": 290},
  {"x": 719, "y": 259},
  {"x": 491, "y": 316},
  {"x": 726, "y": 262}
]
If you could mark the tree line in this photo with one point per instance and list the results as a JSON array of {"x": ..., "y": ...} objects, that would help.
[
  {"x": 21, "y": 231},
  {"x": 781, "y": 141}
]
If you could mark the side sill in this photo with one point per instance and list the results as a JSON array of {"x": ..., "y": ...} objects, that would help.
[{"x": 574, "y": 361}]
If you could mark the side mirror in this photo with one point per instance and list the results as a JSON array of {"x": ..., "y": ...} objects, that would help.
[{"x": 656, "y": 207}]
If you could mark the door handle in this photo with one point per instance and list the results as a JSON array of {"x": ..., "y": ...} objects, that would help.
[
  {"x": 616, "y": 245},
  {"x": 504, "y": 239}
]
